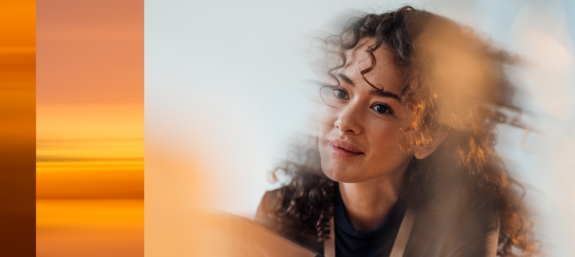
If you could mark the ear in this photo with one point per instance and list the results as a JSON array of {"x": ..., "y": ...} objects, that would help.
[{"x": 421, "y": 152}]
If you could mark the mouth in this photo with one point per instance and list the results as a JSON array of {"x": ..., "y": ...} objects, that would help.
[{"x": 344, "y": 149}]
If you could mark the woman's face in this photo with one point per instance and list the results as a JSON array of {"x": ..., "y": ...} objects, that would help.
[{"x": 360, "y": 129}]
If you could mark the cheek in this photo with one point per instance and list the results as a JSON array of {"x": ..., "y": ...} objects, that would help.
[
  {"x": 387, "y": 147},
  {"x": 325, "y": 159},
  {"x": 327, "y": 118},
  {"x": 386, "y": 154},
  {"x": 337, "y": 170}
]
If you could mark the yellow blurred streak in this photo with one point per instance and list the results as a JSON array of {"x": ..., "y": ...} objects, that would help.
[
  {"x": 89, "y": 213},
  {"x": 105, "y": 150},
  {"x": 88, "y": 228},
  {"x": 90, "y": 180},
  {"x": 129, "y": 164},
  {"x": 92, "y": 124},
  {"x": 90, "y": 151},
  {"x": 137, "y": 165}
]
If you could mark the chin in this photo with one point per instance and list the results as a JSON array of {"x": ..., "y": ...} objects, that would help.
[
  {"x": 335, "y": 170},
  {"x": 340, "y": 174}
]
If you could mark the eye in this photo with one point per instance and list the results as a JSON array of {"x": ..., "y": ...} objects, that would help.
[
  {"x": 333, "y": 96},
  {"x": 341, "y": 94},
  {"x": 382, "y": 108}
]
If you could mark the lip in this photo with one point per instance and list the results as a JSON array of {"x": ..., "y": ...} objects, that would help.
[{"x": 344, "y": 149}]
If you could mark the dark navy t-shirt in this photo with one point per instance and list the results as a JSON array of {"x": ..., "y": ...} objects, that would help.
[
  {"x": 375, "y": 243},
  {"x": 437, "y": 231}
]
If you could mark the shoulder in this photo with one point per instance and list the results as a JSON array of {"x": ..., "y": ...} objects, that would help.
[
  {"x": 473, "y": 231},
  {"x": 476, "y": 232}
]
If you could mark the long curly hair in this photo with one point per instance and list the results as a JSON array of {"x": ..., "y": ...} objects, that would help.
[{"x": 455, "y": 83}]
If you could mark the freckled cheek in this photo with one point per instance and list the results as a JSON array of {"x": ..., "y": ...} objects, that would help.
[
  {"x": 327, "y": 164},
  {"x": 327, "y": 119},
  {"x": 385, "y": 141}
]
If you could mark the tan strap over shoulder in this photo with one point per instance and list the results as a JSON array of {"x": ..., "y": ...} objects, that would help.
[{"x": 403, "y": 234}]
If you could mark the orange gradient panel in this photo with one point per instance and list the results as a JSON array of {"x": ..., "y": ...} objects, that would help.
[
  {"x": 17, "y": 132},
  {"x": 90, "y": 128}
]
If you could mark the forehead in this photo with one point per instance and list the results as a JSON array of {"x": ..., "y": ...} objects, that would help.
[{"x": 386, "y": 73}]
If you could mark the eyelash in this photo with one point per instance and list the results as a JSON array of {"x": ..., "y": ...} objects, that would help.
[
  {"x": 389, "y": 109},
  {"x": 342, "y": 90}
]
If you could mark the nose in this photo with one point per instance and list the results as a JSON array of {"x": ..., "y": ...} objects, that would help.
[{"x": 348, "y": 120}]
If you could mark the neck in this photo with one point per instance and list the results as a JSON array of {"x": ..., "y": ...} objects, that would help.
[{"x": 368, "y": 203}]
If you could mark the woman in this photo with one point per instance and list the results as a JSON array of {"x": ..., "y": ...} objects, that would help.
[{"x": 405, "y": 163}]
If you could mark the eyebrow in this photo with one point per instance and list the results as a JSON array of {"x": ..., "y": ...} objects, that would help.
[
  {"x": 377, "y": 92},
  {"x": 346, "y": 79},
  {"x": 382, "y": 93}
]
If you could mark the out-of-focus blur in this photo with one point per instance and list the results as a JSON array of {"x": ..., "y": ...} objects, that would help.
[
  {"x": 89, "y": 181},
  {"x": 90, "y": 128},
  {"x": 226, "y": 92}
]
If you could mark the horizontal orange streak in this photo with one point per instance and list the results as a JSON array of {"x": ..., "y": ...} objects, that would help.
[
  {"x": 113, "y": 227},
  {"x": 115, "y": 178},
  {"x": 90, "y": 151}
]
